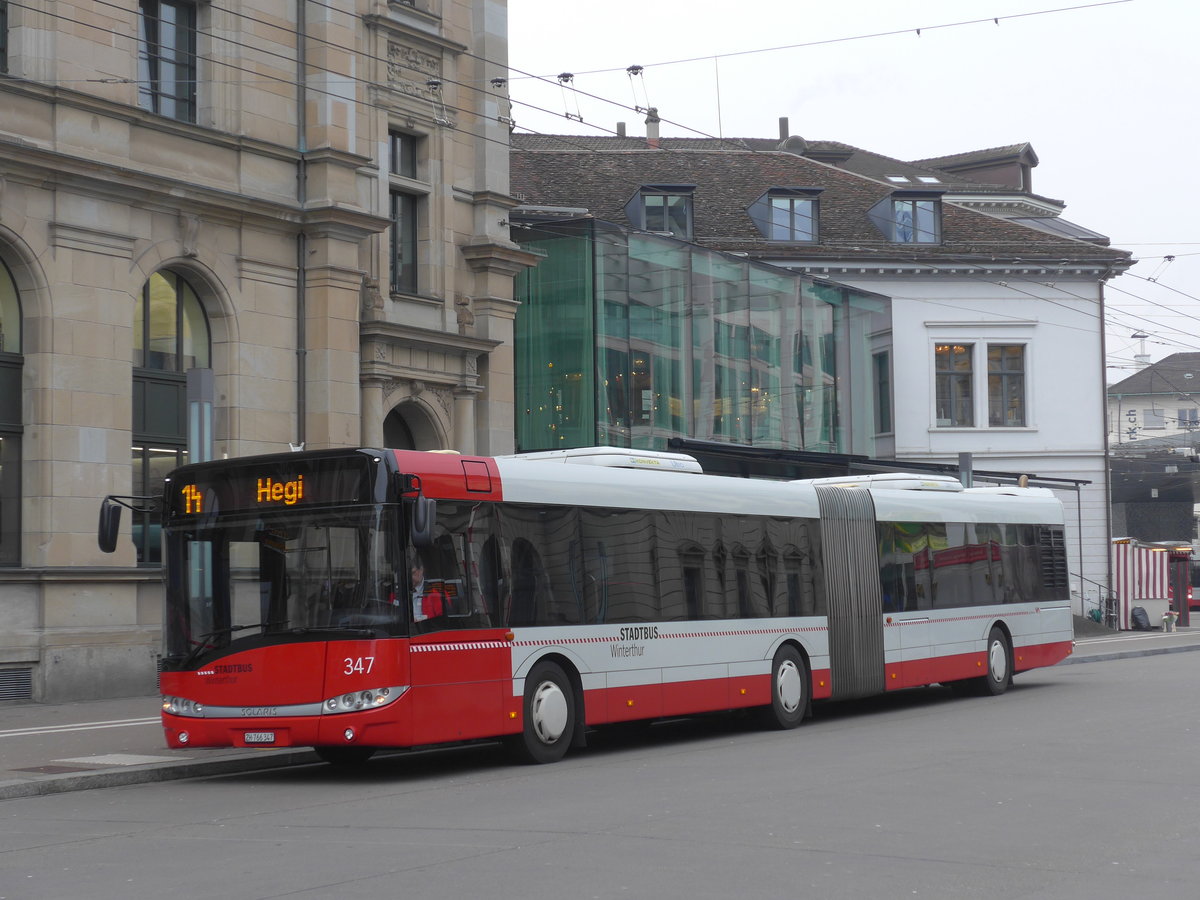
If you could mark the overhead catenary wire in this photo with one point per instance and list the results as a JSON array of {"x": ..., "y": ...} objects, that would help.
[
  {"x": 493, "y": 80},
  {"x": 318, "y": 90},
  {"x": 996, "y": 20},
  {"x": 439, "y": 101}
]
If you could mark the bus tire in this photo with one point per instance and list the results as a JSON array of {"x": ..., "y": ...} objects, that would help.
[
  {"x": 999, "y": 663},
  {"x": 549, "y": 715},
  {"x": 345, "y": 757},
  {"x": 790, "y": 689}
]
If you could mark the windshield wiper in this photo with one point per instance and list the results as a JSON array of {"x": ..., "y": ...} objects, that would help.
[{"x": 202, "y": 643}]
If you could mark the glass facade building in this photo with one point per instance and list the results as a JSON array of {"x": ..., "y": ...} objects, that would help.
[{"x": 629, "y": 339}]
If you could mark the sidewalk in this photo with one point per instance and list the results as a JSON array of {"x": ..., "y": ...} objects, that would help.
[{"x": 52, "y": 748}]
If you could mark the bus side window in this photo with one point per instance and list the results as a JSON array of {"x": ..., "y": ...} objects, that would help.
[
  {"x": 491, "y": 579},
  {"x": 691, "y": 563},
  {"x": 741, "y": 582},
  {"x": 526, "y": 573}
]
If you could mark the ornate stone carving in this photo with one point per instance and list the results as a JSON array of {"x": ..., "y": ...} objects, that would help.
[
  {"x": 445, "y": 401},
  {"x": 372, "y": 299},
  {"x": 405, "y": 62},
  {"x": 189, "y": 234},
  {"x": 462, "y": 308}
]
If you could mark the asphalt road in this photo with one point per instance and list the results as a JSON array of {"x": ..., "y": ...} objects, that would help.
[{"x": 1074, "y": 784}]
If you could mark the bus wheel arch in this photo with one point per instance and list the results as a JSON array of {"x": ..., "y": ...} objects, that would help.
[
  {"x": 552, "y": 712},
  {"x": 791, "y": 687},
  {"x": 998, "y": 660}
]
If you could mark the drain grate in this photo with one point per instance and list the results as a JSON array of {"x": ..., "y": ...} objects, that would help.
[{"x": 16, "y": 684}]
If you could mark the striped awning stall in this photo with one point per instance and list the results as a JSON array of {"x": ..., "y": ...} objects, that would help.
[{"x": 1140, "y": 572}]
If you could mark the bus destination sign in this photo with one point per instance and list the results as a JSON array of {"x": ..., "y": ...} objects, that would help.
[
  {"x": 268, "y": 492},
  {"x": 204, "y": 491}
]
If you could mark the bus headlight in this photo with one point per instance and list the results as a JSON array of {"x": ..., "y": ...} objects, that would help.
[
  {"x": 359, "y": 701},
  {"x": 182, "y": 706}
]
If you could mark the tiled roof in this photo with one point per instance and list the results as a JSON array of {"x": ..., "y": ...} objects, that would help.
[
  {"x": 844, "y": 156},
  {"x": 729, "y": 181},
  {"x": 1178, "y": 373},
  {"x": 979, "y": 156}
]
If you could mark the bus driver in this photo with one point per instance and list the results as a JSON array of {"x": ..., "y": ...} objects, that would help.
[{"x": 428, "y": 599}]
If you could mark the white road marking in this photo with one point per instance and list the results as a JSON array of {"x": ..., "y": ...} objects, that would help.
[{"x": 78, "y": 726}]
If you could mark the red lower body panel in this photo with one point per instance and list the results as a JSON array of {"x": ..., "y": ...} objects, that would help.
[{"x": 486, "y": 708}]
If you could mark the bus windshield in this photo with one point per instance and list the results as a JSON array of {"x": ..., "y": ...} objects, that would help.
[{"x": 242, "y": 581}]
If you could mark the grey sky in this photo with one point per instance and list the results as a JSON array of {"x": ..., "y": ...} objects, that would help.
[{"x": 1103, "y": 92}]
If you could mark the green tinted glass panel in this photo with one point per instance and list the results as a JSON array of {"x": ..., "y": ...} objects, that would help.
[
  {"x": 689, "y": 343},
  {"x": 555, "y": 338}
]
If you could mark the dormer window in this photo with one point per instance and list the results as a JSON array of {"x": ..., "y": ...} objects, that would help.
[
  {"x": 915, "y": 221},
  {"x": 910, "y": 217},
  {"x": 786, "y": 214},
  {"x": 664, "y": 208}
]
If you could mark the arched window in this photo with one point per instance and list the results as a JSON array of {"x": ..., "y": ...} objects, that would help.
[
  {"x": 170, "y": 336},
  {"x": 10, "y": 420}
]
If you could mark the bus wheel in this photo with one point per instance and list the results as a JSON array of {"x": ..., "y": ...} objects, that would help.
[
  {"x": 789, "y": 689},
  {"x": 549, "y": 715},
  {"x": 999, "y": 664},
  {"x": 345, "y": 757}
]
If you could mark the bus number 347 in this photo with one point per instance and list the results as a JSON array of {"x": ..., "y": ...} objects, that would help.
[{"x": 362, "y": 665}]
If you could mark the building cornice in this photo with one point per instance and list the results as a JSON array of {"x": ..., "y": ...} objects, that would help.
[
  {"x": 37, "y": 166},
  {"x": 398, "y": 335},
  {"x": 1006, "y": 204},
  {"x": 500, "y": 257},
  {"x": 137, "y": 117},
  {"x": 422, "y": 27},
  {"x": 345, "y": 223},
  {"x": 833, "y": 268}
]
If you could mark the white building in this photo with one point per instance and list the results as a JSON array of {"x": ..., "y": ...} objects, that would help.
[{"x": 996, "y": 342}]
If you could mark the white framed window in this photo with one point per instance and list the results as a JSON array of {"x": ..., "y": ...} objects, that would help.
[
  {"x": 916, "y": 221},
  {"x": 1006, "y": 385},
  {"x": 668, "y": 213},
  {"x": 954, "y": 379},
  {"x": 980, "y": 383},
  {"x": 787, "y": 214},
  {"x": 912, "y": 216},
  {"x": 663, "y": 208}
]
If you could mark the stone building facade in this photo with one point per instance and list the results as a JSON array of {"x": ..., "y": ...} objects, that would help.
[{"x": 307, "y": 200}]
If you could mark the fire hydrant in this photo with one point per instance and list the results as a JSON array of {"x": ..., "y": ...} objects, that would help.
[{"x": 1168, "y": 620}]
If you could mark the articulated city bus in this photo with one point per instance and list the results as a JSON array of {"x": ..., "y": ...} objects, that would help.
[{"x": 349, "y": 600}]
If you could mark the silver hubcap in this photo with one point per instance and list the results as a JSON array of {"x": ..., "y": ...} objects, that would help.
[
  {"x": 548, "y": 712},
  {"x": 998, "y": 662},
  {"x": 789, "y": 686}
]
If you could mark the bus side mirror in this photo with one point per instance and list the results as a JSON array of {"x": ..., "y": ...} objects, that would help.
[
  {"x": 424, "y": 517},
  {"x": 110, "y": 524}
]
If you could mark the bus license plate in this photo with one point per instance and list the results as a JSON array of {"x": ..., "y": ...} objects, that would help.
[{"x": 260, "y": 737}]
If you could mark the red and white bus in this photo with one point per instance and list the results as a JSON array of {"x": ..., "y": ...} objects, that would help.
[{"x": 349, "y": 600}]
